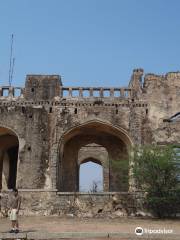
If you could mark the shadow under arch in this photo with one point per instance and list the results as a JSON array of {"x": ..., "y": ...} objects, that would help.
[
  {"x": 116, "y": 130},
  {"x": 91, "y": 159},
  {"x": 114, "y": 139},
  {"x": 9, "y": 149}
]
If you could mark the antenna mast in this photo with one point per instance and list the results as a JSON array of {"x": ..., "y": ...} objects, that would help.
[{"x": 11, "y": 62}]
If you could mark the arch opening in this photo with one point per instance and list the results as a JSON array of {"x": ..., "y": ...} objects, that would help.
[
  {"x": 90, "y": 176},
  {"x": 98, "y": 155},
  {"x": 9, "y": 147},
  {"x": 99, "y": 141}
]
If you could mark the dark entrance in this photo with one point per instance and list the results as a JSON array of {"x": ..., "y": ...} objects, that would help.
[{"x": 9, "y": 146}]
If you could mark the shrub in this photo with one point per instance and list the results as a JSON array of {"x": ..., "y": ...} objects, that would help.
[{"x": 156, "y": 172}]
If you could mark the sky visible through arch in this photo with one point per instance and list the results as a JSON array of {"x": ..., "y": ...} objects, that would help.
[
  {"x": 90, "y": 174},
  {"x": 89, "y": 42}
]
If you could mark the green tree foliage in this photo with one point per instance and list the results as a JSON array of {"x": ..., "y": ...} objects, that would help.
[{"x": 157, "y": 173}]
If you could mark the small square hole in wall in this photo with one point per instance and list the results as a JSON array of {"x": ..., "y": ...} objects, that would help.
[
  {"x": 50, "y": 110},
  {"x": 5, "y": 92},
  {"x": 75, "y": 93},
  {"x": 75, "y": 111},
  {"x": 96, "y": 93},
  {"x": 29, "y": 148},
  {"x": 116, "y": 93},
  {"x": 86, "y": 93},
  {"x": 17, "y": 92},
  {"x": 106, "y": 93},
  {"x": 32, "y": 90},
  {"x": 65, "y": 93}
]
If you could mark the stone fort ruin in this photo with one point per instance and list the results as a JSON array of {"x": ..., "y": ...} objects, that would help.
[{"x": 48, "y": 130}]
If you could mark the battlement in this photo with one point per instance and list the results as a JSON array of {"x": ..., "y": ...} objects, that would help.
[
  {"x": 85, "y": 92},
  {"x": 49, "y": 88},
  {"x": 11, "y": 92},
  {"x": 18, "y": 93}
]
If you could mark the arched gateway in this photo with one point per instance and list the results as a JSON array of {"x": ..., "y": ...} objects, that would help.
[
  {"x": 109, "y": 143},
  {"x": 9, "y": 145}
]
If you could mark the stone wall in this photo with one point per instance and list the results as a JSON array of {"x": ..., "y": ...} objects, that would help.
[
  {"x": 30, "y": 125},
  {"x": 39, "y": 202},
  {"x": 53, "y": 122}
]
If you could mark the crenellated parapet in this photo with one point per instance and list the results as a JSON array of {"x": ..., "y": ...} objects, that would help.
[
  {"x": 50, "y": 88},
  {"x": 100, "y": 92},
  {"x": 18, "y": 93},
  {"x": 11, "y": 92}
]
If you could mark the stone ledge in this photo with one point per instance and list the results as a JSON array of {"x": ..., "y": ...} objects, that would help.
[
  {"x": 96, "y": 193},
  {"x": 30, "y": 190},
  {"x": 84, "y": 235},
  {"x": 70, "y": 102}
]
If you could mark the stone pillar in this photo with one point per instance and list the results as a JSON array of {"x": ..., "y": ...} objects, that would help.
[
  {"x": 122, "y": 92},
  {"x": 130, "y": 93},
  {"x": 61, "y": 92},
  {"x": 101, "y": 92},
  {"x": 11, "y": 92},
  {"x": 80, "y": 92},
  {"x": 111, "y": 92},
  {"x": 106, "y": 177},
  {"x": 70, "y": 92},
  {"x": 22, "y": 93},
  {"x": 91, "y": 92}
]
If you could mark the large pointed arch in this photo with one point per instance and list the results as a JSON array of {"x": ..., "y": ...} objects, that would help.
[
  {"x": 115, "y": 139},
  {"x": 115, "y": 130}
]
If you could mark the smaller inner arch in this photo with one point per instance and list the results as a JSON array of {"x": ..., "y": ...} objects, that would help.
[{"x": 90, "y": 176}]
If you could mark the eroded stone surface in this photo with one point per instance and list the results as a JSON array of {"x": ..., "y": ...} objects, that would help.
[{"x": 46, "y": 130}]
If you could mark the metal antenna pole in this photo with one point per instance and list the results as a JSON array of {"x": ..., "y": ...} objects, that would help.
[
  {"x": 10, "y": 61},
  {"x": 12, "y": 71}
]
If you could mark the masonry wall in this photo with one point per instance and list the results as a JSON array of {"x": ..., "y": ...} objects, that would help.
[
  {"x": 75, "y": 204},
  {"x": 163, "y": 95},
  {"x": 30, "y": 124},
  {"x": 46, "y": 123}
]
